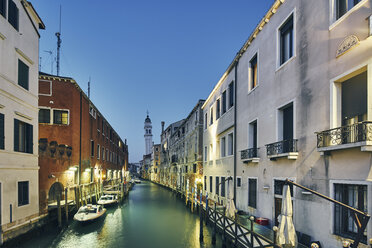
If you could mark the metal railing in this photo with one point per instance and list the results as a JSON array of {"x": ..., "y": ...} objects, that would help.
[
  {"x": 249, "y": 153},
  {"x": 284, "y": 146},
  {"x": 361, "y": 131}
]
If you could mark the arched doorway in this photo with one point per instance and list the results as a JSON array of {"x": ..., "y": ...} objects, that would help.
[{"x": 55, "y": 190}]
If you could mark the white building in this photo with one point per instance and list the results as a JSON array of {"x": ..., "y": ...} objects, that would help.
[
  {"x": 218, "y": 139},
  {"x": 19, "y": 62},
  {"x": 303, "y": 106}
]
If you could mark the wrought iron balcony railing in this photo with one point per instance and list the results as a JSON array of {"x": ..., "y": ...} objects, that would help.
[
  {"x": 284, "y": 146},
  {"x": 249, "y": 153},
  {"x": 358, "y": 132}
]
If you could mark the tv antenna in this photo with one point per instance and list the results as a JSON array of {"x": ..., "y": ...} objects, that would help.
[
  {"x": 89, "y": 88},
  {"x": 58, "y": 34},
  {"x": 51, "y": 60}
]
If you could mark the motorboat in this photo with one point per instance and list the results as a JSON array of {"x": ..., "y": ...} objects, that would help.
[
  {"x": 108, "y": 200},
  {"x": 89, "y": 213},
  {"x": 137, "y": 180}
]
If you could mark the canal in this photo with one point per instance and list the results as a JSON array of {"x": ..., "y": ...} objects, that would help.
[{"x": 152, "y": 217}]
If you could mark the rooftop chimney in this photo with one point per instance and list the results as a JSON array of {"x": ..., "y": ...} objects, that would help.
[{"x": 162, "y": 126}]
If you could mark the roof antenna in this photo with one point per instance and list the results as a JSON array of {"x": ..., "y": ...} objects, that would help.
[
  {"x": 51, "y": 60},
  {"x": 89, "y": 88},
  {"x": 58, "y": 34}
]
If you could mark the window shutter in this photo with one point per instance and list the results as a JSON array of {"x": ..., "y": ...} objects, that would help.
[
  {"x": 3, "y": 8},
  {"x": 13, "y": 14},
  {"x": 1, "y": 131},
  {"x": 29, "y": 142},
  {"x": 16, "y": 135},
  {"x": 22, "y": 74}
]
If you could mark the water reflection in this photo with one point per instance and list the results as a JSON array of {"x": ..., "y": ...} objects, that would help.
[{"x": 151, "y": 217}]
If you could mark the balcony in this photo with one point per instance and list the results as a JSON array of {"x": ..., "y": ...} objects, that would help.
[
  {"x": 249, "y": 155},
  {"x": 174, "y": 159},
  {"x": 284, "y": 148},
  {"x": 349, "y": 136}
]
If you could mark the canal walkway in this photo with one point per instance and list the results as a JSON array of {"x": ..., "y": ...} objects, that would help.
[{"x": 150, "y": 217}]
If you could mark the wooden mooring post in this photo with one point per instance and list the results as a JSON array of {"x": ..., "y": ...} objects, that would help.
[
  {"x": 59, "y": 213},
  {"x": 215, "y": 225},
  {"x": 66, "y": 203},
  {"x": 224, "y": 228},
  {"x": 201, "y": 236}
]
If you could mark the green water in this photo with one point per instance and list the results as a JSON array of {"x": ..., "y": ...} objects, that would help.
[{"x": 151, "y": 217}]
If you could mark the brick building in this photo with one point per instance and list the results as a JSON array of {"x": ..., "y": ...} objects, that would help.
[{"x": 77, "y": 145}]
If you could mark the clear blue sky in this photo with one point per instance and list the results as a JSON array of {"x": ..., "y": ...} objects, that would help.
[{"x": 161, "y": 56}]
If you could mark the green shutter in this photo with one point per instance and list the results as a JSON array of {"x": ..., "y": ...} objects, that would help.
[
  {"x": 3, "y": 8},
  {"x": 16, "y": 135},
  {"x": 29, "y": 141},
  {"x": 22, "y": 74},
  {"x": 1, "y": 131}
]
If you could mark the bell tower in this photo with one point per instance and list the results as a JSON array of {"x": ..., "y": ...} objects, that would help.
[{"x": 148, "y": 134}]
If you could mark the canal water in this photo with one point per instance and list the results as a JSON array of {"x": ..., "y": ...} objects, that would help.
[{"x": 151, "y": 217}]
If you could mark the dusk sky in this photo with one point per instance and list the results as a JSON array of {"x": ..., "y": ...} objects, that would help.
[{"x": 161, "y": 56}]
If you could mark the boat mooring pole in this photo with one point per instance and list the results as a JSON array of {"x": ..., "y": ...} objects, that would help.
[
  {"x": 59, "y": 210},
  {"x": 66, "y": 204},
  {"x": 215, "y": 225},
  {"x": 201, "y": 238}
]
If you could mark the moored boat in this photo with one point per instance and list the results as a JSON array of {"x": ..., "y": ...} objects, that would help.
[
  {"x": 137, "y": 180},
  {"x": 89, "y": 213},
  {"x": 108, "y": 200}
]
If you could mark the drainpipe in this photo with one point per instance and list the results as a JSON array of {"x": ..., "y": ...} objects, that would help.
[
  {"x": 235, "y": 110},
  {"x": 81, "y": 108}
]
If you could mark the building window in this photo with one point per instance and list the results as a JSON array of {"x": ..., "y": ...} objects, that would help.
[
  {"x": 2, "y": 143},
  {"x": 103, "y": 154},
  {"x": 252, "y": 131},
  {"x": 194, "y": 168},
  {"x": 206, "y": 121},
  {"x": 60, "y": 117},
  {"x": 92, "y": 112},
  {"x": 223, "y": 147},
  {"x": 218, "y": 109},
  {"x": 355, "y": 196},
  {"x": 92, "y": 148},
  {"x": 286, "y": 123},
  {"x": 343, "y": 6},
  {"x": 3, "y": 8},
  {"x": 223, "y": 184},
  {"x": 23, "y": 198},
  {"x": 98, "y": 151},
  {"x": 22, "y": 74},
  {"x": 254, "y": 73},
  {"x": 286, "y": 40},
  {"x": 13, "y": 15},
  {"x": 211, "y": 114},
  {"x": 278, "y": 187},
  {"x": 210, "y": 151},
  {"x": 44, "y": 116},
  {"x": 210, "y": 184},
  {"x": 23, "y": 137},
  {"x": 205, "y": 183},
  {"x": 231, "y": 94},
  {"x": 205, "y": 153},
  {"x": 238, "y": 182},
  {"x": 230, "y": 141},
  {"x": 217, "y": 185},
  {"x": 224, "y": 102},
  {"x": 252, "y": 192}
]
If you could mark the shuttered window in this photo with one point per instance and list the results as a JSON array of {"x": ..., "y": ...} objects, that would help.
[
  {"x": 92, "y": 148},
  {"x": 210, "y": 184},
  {"x": 252, "y": 192},
  {"x": 23, "y": 137},
  {"x": 217, "y": 185},
  {"x": 223, "y": 184},
  {"x": 13, "y": 15},
  {"x": 22, "y": 74},
  {"x": 2, "y": 131},
  {"x": 3, "y": 8},
  {"x": 231, "y": 94},
  {"x": 286, "y": 40},
  {"x": 23, "y": 188},
  {"x": 44, "y": 116}
]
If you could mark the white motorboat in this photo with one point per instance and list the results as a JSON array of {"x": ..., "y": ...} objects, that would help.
[
  {"x": 89, "y": 212},
  {"x": 137, "y": 180},
  {"x": 108, "y": 199}
]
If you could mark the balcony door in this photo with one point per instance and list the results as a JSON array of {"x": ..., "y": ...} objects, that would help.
[
  {"x": 287, "y": 128},
  {"x": 354, "y": 107}
]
